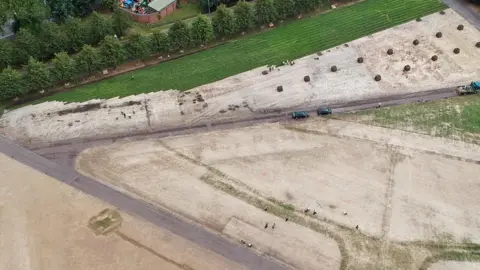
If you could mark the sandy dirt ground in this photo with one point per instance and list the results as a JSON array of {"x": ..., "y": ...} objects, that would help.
[
  {"x": 152, "y": 172},
  {"x": 44, "y": 224},
  {"x": 451, "y": 265},
  {"x": 249, "y": 93},
  {"x": 395, "y": 185}
]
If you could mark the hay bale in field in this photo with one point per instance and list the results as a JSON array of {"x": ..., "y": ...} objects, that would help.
[
  {"x": 416, "y": 42},
  {"x": 279, "y": 88},
  {"x": 442, "y": 12},
  {"x": 265, "y": 72},
  {"x": 390, "y": 51},
  {"x": 333, "y": 68},
  {"x": 460, "y": 27},
  {"x": 406, "y": 68},
  {"x": 378, "y": 78},
  {"x": 418, "y": 19},
  {"x": 477, "y": 45},
  {"x": 434, "y": 58},
  {"x": 438, "y": 34},
  {"x": 360, "y": 60},
  {"x": 306, "y": 78},
  {"x": 456, "y": 51}
]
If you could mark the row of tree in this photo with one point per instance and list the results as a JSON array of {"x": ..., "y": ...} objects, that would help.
[
  {"x": 51, "y": 38},
  {"x": 111, "y": 52}
]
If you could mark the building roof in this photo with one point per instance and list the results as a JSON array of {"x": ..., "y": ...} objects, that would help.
[{"x": 159, "y": 5}]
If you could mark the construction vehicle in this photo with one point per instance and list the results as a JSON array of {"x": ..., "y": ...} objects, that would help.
[{"x": 472, "y": 88}]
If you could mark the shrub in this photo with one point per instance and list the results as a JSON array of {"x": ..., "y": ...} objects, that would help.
[
  {"x": 202, "y": 30},
  {"x": 223, "y": 21},
  {"x": 52, "y": 39},
  {"x": 38, "y": 75},
  {"x": 438, "y": 34},
  {"x": 456, "y": 51},
  {"x": 390, "y": 51},
  {"x": 111, "y": 51},
  {"x": 460, "y": 27},
  {"x": 179, "y": 36},
  {"x": 418, "y": 19},
  {"x": 333, "y": 68},
  {"x": 279, "y": 88},
  {"x": 265, "y": 12},
  {"x": 442, "y": 12},
  {"x": 285, "y": 8},
  {"x": 378, "y": 78},
  {"x": 27, "y": 45},
  {"x": 76, "y": 32},
  {"x": 88, "y": 60},
  {"x": 304, "y": 6},
  {"x": 245, "y": 15},
  {"x": 63, "y": 67},
  {"x": 7, "y": 55},
  {"x": 11, "y": 84},
  {"x": 99, "y": 27},
  {"x": 434, "y": 58},
  {"x": 138, "y": 47},
  {"x": 121, "y": 22},
  {"x": 306, "y": 78},
  {"x": 160, "y": 42},
  {"x": 406, "y": 68},
  {"x": 416, "y": 42},
  {"x": 360, "y": 60},
  {"x": 264, "y": 72}
]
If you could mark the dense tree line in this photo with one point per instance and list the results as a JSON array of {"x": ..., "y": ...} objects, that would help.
[{"x": 57, "y": 41}]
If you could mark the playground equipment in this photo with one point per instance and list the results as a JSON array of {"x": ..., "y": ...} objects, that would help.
[{"x": 137, "y": 6}]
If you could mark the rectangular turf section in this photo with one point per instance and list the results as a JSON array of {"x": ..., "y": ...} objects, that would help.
[{"x": 286, "y": 42}]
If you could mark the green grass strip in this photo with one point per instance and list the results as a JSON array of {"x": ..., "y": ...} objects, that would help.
[{"x": 287, "y": 42}]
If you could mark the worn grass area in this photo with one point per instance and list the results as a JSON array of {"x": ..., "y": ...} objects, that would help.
[
  {"x": 289, "y": 41},
  {"x": 457, "y": 118}
]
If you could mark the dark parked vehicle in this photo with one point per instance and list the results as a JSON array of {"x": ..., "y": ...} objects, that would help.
[
  {"x": 298, "y": 115},
  {"x": 324, "y": 111}
]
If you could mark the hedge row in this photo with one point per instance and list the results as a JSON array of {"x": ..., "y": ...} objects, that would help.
[{"x": 111, "y": 52}]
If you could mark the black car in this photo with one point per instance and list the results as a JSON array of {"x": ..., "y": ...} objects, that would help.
[{"x": 324, "y": 111}]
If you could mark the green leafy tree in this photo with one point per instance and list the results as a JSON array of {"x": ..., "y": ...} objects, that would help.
[
  {"x": 111, "y": 51},
  {"x": 305, "y": 6},
  {"x": 28, "y": 14},
  {"x": 7, "y": 55},
  {"x": 61, "y": 9},
  {"x": 202, "y": 30},
  {"x": 52, "y": 39},
  {"x": 76, "y": 33},
  {"x": 121, "y": 22},
  {"x": 63, "y": 67},
  {"x": 160, "y": 42},
  {"x": 245, "y": 15},
  {"x": 179, "y": 35},
  {"x": 88, "y": 60},
  {"x": 224, "y": 23},
  {"x": 265, "y": 11},
  {"x": 139, "y": 47},
  {"x": 27, "y": 45},
  {"x": 110, "y": 4},
  {"x": 285, "y": 8},
  {"x": 100, "y": 26},
  {"x": 38, "y": 75},
  {"x": 11, "y": 84},
  {"x": 83, "y": 8},
  {"x": 209, "y": 5}
]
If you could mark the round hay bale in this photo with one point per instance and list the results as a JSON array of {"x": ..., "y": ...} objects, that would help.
[
  {"x": 279, "y": 88},
  {"x": 360, "y": 60},
  {"x": 378, "y": 78},
  {"x": 438, "y": 34},
  {"x": 416, "y": 42},
  {"x": 406, "y": 68},
  {"x": 434, "y": 58},
  {"x": 456, "y": 51},
  {"x": 477, "y": 45},
  {"x": 442, "y": 12},
  {"x": 333, "y": 68},
  {"x": 418, "y": 19},
  {"x": 264, "y": 72},
  {"x": 306, "y": 78},
  {"x": 390, "y": 51},
  {"x": 460, "y": 27}
]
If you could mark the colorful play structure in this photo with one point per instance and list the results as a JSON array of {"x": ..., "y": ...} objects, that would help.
[{"x": 137, "y": 6}]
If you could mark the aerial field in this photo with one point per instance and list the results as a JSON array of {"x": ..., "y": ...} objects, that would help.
[
  {"x": 396, "y": 186},
  {"x": 286, "y": 42}
]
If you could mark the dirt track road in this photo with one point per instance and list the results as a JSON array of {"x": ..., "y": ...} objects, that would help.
[{"x": 58, "y": 160}]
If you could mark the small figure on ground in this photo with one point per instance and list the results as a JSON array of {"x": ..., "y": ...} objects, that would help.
[
  {"x": 242, "y": 241},
  {"x": 286, "y": 219},
  {"x": 356, "y": 227},
  {"x": 249, "y": 245},
  {"x": 379, "y": 105},
  {"x": 314, "y": 212},
  {"x": 344, "y": 213},
  {"x": 306, "y": 210},
  {"x": 266, "y": 225},
  {"x": 273, "y": 226},
  {"x": 266, "y": 208}
]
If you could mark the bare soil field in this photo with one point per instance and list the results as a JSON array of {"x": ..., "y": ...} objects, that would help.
[
  {"x": 249, "y": 93},
  {"x": 412, "y": 196},
  {"x": 452, "y": 265},
  {"x": 45, "y": 224}
]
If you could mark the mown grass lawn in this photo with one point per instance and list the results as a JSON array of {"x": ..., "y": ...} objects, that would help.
[
  {"x": 457, "y": 117},
  {"x": 290, "y": 41}
]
